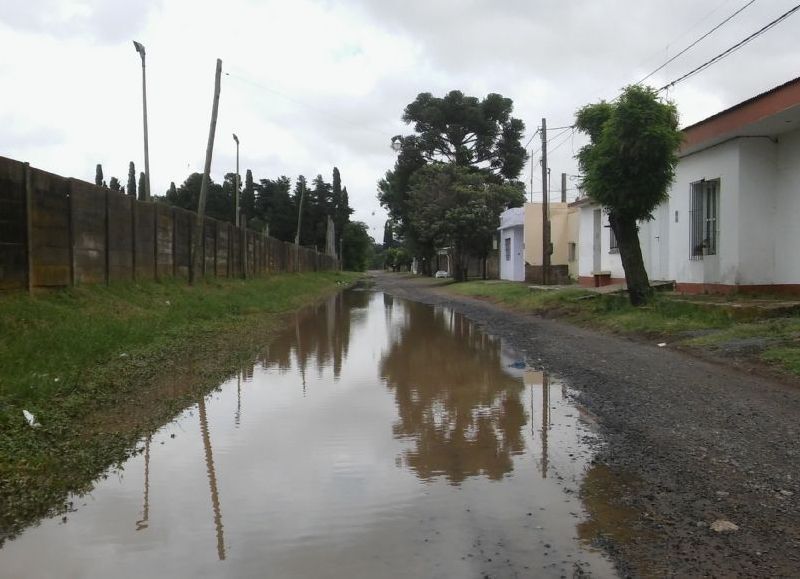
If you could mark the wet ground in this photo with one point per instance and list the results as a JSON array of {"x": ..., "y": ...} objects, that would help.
[
  {"x": 699, "y": 471},
  {"x": 375, "y": 437}
]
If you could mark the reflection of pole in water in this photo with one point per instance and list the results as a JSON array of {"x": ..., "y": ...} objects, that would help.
[
  {"x": 545, "y": 421},
  {"x": 144, "y": 522},
  {"x": 300, "y": 361},
  {"x": 212, "y": 480},
  {"x": 237, "y": 418}
]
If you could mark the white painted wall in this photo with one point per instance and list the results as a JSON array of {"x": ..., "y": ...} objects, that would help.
[
  {"x": 512, "y": 269},
  {"x": 786, "y": 222},
  {"x": 758, "y": 218}
]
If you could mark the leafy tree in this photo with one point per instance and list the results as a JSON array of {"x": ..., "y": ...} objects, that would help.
[
  {"x": 219, "y": 205},
  {"x": 628, "y": 167},
  {"x": 356, "y": 246},
  {"x": 460, "y": 209},
  {"x": 467, "y": 132},
  {"x": 274, "y": 207},
  {"x": 131, "y": 180},
  {"x": 172, "y": 190},
  {"x": 98, "y": 176},
  {"x": 114, "y": 185},
  {"x": 143, "y": 189},
  {"x": 398, "y": 258}
]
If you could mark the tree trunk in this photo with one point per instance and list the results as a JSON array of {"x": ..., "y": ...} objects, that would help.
[{"x": 627, "y": 233}]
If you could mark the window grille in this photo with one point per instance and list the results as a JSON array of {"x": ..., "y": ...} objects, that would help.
[
  {"x": 704, "y": 218},
  {"x": 613, "y": 244},
  {"x": 508, "y": 248}
]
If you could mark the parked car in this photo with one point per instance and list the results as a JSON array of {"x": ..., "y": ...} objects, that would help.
[{"x": 441, "y": 273}]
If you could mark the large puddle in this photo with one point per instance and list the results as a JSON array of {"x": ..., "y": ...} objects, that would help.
[{"x": 374, "y": 438}]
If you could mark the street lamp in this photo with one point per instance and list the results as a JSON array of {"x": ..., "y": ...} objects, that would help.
[
  {"x": 140, "y": 49},
  {"x": 397, "y": 143},
  {"x": 236, "y": 193}
]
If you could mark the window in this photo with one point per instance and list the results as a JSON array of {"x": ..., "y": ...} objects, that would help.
[
  {"x": 508, "y": 248},
  {"x": 573, "y": 247},
  {"x": 613, "y": 246},
  {"x": 705, "y": 212}
]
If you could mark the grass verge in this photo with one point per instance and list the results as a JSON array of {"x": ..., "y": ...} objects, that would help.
[
  {"x": 775, "y": 341},
  {"x": 101, "y": 366}
]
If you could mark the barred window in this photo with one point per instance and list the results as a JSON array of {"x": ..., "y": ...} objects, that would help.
[
  {"x": 613, "y": 244},
  {"x": 508, "y": 248},
  {"x": 704, "y": 216}
]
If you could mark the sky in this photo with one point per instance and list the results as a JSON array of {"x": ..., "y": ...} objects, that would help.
[{"x": 312, "y": 84}]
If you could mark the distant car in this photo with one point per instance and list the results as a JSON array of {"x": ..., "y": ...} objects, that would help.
[{"x": 441, "y": 273}]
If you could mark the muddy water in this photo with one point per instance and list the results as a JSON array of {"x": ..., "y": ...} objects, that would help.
[{"x": 374, "y": 438}]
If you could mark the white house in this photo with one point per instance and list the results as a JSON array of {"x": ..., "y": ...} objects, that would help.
[
  {"x": 732, "y": 221},
  {"x": 512, "y": 244}
]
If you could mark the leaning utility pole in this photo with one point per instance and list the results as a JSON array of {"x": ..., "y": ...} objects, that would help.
[
  {"x": 140, "y": 49},
  {"x": 545, "y": 212},
  {"x": 197, "y": 239},
  {"x": 563, "y": 187}
]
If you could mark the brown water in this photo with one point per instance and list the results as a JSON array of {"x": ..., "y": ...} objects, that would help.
[{"x": 374, "y": 438}]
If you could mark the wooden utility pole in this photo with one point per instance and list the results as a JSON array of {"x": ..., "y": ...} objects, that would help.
[
  {"x": 201, "y": 202},
  {"x": 545, "y": 211},
  {"x": 563, "y": 187}
]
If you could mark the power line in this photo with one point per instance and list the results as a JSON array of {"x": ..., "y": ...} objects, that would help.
[
  {"x": 529, "y": 140},
  {"x": 732, "y": 49},
  {"x": 696, "y": 42}
]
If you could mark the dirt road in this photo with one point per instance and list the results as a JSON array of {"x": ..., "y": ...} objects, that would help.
[{"x": 689, "y": 443}]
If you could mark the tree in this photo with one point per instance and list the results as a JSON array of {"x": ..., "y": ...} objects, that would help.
[
  {"x": 131, "y": 180},
  {"x": 98, "y": 175},
  {"x": 172, "y": 190},
  {"x": 249, "y": 196},
  {"x": 274, "y": 207},
  {"x": 454, "y": 207},
  {"x": 113, "y": 184},
  {"x": 628, "y": 167},
  {"x": 143, "y": 190},
  {"x": 356, "y": 246},
  {"x": 388, "y": 234},
  {"x": 467, "y": 132}
]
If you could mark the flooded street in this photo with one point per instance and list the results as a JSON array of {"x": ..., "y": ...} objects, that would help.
[{"x": 374, "y": 437}]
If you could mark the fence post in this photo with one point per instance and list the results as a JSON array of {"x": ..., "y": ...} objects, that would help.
[
  {"x": 133, "y": 238},
  {"x": 29, "y": 227},
  {"x": 174, "y": 243},
  {"x": 107, "y": 241},
  {"x": 155, "y": 241},
  {"x": 216, "y": 245},
  {"x": 70, "y": 234}
]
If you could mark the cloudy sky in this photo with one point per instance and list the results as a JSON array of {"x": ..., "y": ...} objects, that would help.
[{"x": 311, "y": 84}]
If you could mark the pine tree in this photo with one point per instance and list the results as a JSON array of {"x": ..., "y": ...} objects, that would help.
[
  {"x": 98, "y": 176},
  {"x": 142, "y": 187},
  {"x": 173, "y": 191},
  {"x": 113, "y": 184},
  {"x": 131, "y": 180}
]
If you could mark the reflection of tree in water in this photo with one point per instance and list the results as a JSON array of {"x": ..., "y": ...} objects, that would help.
[
  {"x": 453, "y": 397},
  {"x": 321, "y": 332}
]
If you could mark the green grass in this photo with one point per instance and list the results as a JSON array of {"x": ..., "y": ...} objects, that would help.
[
  {"x": 89, "y": 363},
  {"x": 47, "y": 342},
  {"x": 786, "y": 357},
  {"x": 662, "y": 316}
]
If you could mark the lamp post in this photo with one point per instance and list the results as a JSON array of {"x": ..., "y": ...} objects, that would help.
[
  {"x": 140, "y": 49},
  {"x": 236, "y": 192}
]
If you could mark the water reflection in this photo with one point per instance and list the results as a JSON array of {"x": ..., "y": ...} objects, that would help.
[
  {"x": 372, "y": 435},
  {"x": 455, "y": 400}
]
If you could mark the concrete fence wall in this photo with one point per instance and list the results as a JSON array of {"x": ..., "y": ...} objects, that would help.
[{"x": 58, "y": 232}]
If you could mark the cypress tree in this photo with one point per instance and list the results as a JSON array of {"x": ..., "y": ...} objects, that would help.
[
  {"x": 113, "y": 184},
  {"x": 98, "y": 176},
  {"x": 142, "y": 187},
  {"x": 131, "y": 180}
]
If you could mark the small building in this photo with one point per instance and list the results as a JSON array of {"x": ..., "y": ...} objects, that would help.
[
  {"x": 521, "y": 242},
  {"x": 731, "y": 219},
  {"x": 512, "y": 244}
]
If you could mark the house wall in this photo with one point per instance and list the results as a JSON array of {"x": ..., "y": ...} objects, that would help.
[
  {"x": 514, "y": 268},
  {"x": 610, "y": 263},
  {"x": 573, "y": 236},
  {"x": 720, "y": 162},
  {"x": 787, "y": 217},
  {"x": 757, "y": 197},
  {"x": 559, "y": 233}
]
